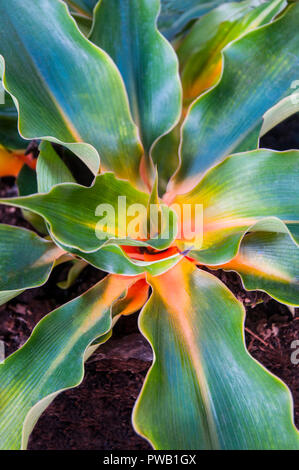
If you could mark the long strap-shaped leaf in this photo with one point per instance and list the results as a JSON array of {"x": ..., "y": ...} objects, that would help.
[
  {"x": 259, "y": 70},
  {"x": 52, "y": 359},
  {"x": 26, "y": 260},
  {"x": 121, "y": 260},
  {"x": 201, "y": 62},
  {"x": 134, "y": 299},
  {"x": 70, "y": 209},
  {"x": 113, "y": 259},
  {"x": 67, "y": 89},
  {"x": 126, "y": 30},
  {"x": 270, "y": 262},
  {"x": 176, "y": 14},
  {"x": 200, "y": 52},
  {"x": 87, "y": 217},
  {"x": 204, "y": 391},
  {"x": 240, "y": 192}
]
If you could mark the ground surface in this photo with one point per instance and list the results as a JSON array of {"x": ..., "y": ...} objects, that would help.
[{"x": 97, "y": 415}]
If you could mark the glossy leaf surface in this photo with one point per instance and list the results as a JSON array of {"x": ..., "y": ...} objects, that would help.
[
  {"x": 238, "y": 193},
  {"x": 270, "y": 262},
  {"x": 49, "y": 73},
  {"x": 258, "y": 72},
  {"x": 204, "y": 391},
  {"x": 126, "y": 30},
  {"x": 176, "y": 14},
  {"x": 26, "y": 260},
  {"x": 52, "y": 359},
  {"x": 200, "y": 52},
  {"x": 85, "y": 218}
]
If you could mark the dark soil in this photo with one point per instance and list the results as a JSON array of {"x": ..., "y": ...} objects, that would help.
[{"x": 97, "y": 414}]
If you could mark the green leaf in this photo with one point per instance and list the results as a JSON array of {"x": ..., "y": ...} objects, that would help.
[
  {"x": 238, "y": 193},
  {"x": 176, "y": 14},
  {"x": 200, "y": 51},
  {"x": 9, "y": 135},
  {"x": 251, "y": 141},
  {"x": 294, "y": 229},
  {"x": 6, "y": 296},
  {"x": 27, "y": 181},
  {"x": 112, "y": 259},
  {"x": 81, "y": 11},
  {"x": 27, "y": 185},
  {"x": 12, "y": 146},
  {"x": 78, "y": 265},
  {"x": 48, "y": 73},
  {"x": 200, "y": 62},
  {"x": 165, "y": 156},
  {"x": 26, "y": 260},
  {"x": 153, "y": 216},
  {"x": 259, "y": 70},
  {"x": 51, "y": 170},
  {"x": 36, "y": 411},
  {"x": 84, "y": 23},
  {"x": 204, "y": 391},
  {"x": 126, "y": 30},
  {"x": 85, "y": 7},
  {"x": 269, "y": 262},
  {"x": 85, "y": 218},
  {"x": 52, "y": 359},
  {"x": 281, "y": 111}
]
